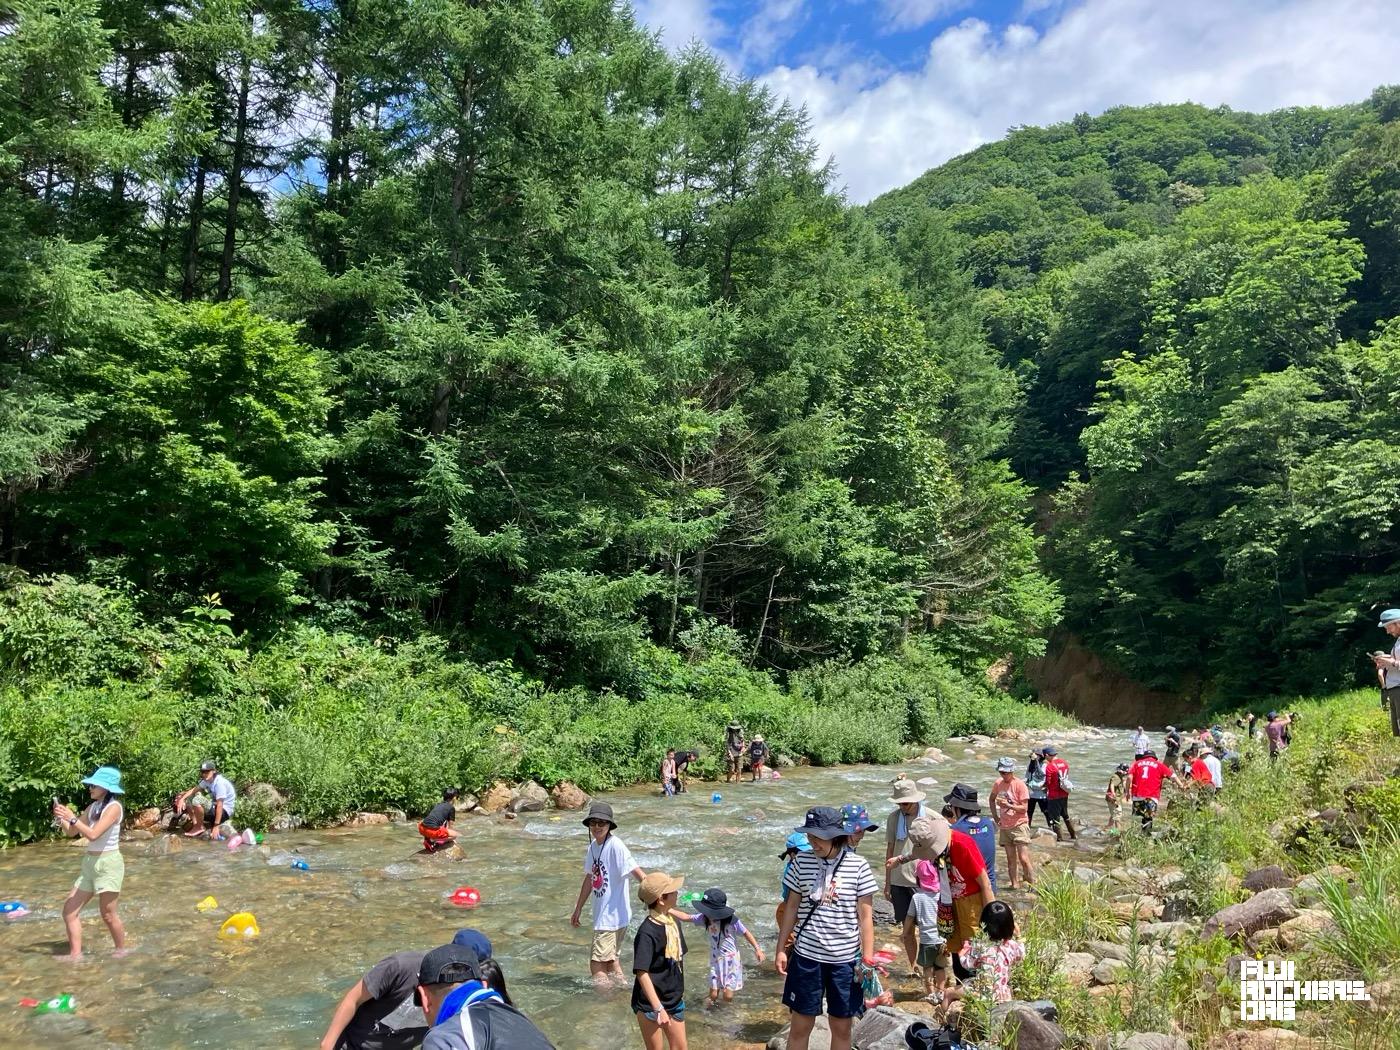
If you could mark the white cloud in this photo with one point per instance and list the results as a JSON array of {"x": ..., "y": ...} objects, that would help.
[
  {"x": 976, "y": 83},
  {"x": 771, "y": 26},
  {"x": 911, "y": 14},
  {"x": 681, "y": 21}
]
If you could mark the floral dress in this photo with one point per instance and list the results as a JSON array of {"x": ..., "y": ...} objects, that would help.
[
  {"x": 993, "y": 961},
  {"x": 726, "y": 968}
]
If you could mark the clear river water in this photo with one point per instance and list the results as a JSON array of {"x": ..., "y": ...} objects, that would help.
[{"x": 365, "y": 896}]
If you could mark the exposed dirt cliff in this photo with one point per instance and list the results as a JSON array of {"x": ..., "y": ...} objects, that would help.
[{"x": 1072, "y": 679}]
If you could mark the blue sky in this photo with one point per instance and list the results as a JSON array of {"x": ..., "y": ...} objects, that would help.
[{"x": 894, "y": 87}]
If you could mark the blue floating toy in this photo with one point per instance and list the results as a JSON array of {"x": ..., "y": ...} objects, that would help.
[
  {"x": 8, "y": 906},
  {"x": 716, "y": 797},
  {"x": 300, "y": 865}
]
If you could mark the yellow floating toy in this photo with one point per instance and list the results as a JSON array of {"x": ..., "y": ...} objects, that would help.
[
  {"x": 241, "y": 925},
  {"x": 207, "y": 904}
]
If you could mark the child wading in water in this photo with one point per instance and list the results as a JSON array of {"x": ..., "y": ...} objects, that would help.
[
  {"x": 724, "y": 927},
  {"x": 436, "y": 828},
  {"x": 658, "y": 961},
  {"x": 924, "y": 908},
  {"x": 103, "y": 867},
  {"x": 991, "y": 959}
]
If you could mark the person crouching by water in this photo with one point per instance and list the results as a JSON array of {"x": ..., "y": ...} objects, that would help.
[
  {"x": 658, "y": 963},
  {"x": 465, "y": 1012},
  {"x": 829, "y": 913},
  {"x": 607, "y": 866},
  {"x": 103, "y": 868},
  {"x": 209, "y": 811},
  {"x": 381, "y": 1010},
  {"x": 436, "y": 828}
]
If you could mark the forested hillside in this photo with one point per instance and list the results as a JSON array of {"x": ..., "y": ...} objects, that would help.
[{"x": 1201, "y": 308}]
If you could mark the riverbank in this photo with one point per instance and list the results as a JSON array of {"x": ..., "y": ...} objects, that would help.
[
  {"x": 1138, "y": 942},
  {"x": 339, "y": 725}
]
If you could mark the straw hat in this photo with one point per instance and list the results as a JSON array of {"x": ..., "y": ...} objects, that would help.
[{"x": 657, "y": 885}]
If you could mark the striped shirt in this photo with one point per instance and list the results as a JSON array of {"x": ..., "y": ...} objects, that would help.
[{"x": 832, "y": 933}]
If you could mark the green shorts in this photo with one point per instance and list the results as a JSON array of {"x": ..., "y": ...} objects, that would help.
[{"x": 102, "y": 872}]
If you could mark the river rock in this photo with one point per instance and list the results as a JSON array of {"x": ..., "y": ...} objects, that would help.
[
  {"x": 934, "y": 754},
  {"x": 1044, "y": 1007},
  {"x": 882, "y": 1029},
  {"x": 495, "y": 798},
  {"x": 138, "y": 835},
  {"x": 396, "y": 816},
  {"x": 882, "y": 912},
  {"x": 529, "y": 797},
  {"x": 783, "y": 761},
  {"x": 286, "y": 822},
  {"x": 1087, "y": 875},
  {"x": 568, "y": 796},
  {"x": 1107, "y": 950},
  {"x": 364, "y": 820},
  {"x": 1271, "y": 877},
  {"x": 265, "y": 796},
  {"x": 465, "y": 803},
  {"x": 453, "y": 854},
  {"x": 927, "y": 782},
  {"x": 1024, "y": 1029},
  {"x": 981, "y": 740},
  {"x": 1145, "y": 909},
  {"x": 1140, "y": 1041},
  {"x": 969, "y": 751},
  {"x": 1265, "y": 1039},
  {"x": 1309, "y": 924},
  {"x": 147, "y": 820},
  {"x": 819, "y": 1040},
  {"x": 1108, "y": 971},
  {"x": 1308, "y": 889},
  {"x": 1165, "y": 932},
  {"x": 1007, "y": 733},
  {"x": 1076, "y": 967},
  {"x": 1264, "y": 909}
]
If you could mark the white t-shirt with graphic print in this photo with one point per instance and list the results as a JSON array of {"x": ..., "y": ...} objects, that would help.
[{"x": 609, "y": 869}]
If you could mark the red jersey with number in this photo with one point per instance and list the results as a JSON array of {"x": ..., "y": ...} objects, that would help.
[{"x": 1148, "y": 774}]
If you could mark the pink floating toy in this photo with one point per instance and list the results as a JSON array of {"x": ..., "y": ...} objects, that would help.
[{"x": 465, "y": 897}]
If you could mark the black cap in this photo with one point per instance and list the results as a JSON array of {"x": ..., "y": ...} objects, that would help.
[
  {"x": 450, "y": 964},
  {"x": 823, "y": 822}
]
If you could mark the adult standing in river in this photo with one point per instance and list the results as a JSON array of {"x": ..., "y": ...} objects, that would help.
[
  {"x": 900, "y": 878},
  {"x": 1035, "y": 788},
  {"x": 103, "y": 868},
  {"x": 1057, "y": 789},
  {"x": 1388, "y": 667},
  {"x": 734, "y": 748},
  {"x": 830, "y": 915},
  {"x": 1008, "y": 800}
]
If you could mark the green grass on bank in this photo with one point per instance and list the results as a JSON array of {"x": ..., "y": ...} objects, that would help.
[
  {"x": 1343, "y": 754},
  {"x": 340, "y": 724}
]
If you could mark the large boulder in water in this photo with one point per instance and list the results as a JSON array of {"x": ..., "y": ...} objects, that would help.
[
  {"x": 529, "y": 797},
  {"x": 1263, "y": 910},
  {"x": 882, "y": 1029},
  {"x": 495, "y": 798},
  {"x": 146, "y": 820},
  {"x": 1023, "y": 1028},
  {"x": 1140, "y": 1041},
  {"x": 568, "y": 796}
]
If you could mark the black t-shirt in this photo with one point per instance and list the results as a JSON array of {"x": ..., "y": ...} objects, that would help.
[
  {"x": 649, "y": 954},
  {"x": 684, "y": 758},
  {"x": 392, "y": 1019},
  {"x": 440, "y": 815},
  {"x": 758, "y": 751}
]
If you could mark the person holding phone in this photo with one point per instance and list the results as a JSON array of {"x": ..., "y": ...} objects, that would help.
[
  {"x": 103, "y": 868},
  {"x": 1388, "y": 667}
]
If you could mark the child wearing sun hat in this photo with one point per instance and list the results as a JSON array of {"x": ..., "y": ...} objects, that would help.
[{"x": 658, "y": 963}]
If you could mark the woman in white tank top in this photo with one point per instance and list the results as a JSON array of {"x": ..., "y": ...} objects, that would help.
[{"x": 103, "y": 867}]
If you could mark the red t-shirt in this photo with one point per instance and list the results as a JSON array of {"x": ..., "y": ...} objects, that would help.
[
  {"x": 1054, "y": 769},
  {"x": 965, "y": 863},
  {"x": 1147, "y": 776},
  {"x": 1200, "y": 771}
]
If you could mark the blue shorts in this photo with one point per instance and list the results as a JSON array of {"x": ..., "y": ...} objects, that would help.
[
  {"x": 808, "y": 981},
  {"x": 678, "y": 1014}
]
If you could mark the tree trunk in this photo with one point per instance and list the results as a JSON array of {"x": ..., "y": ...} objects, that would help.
[
  {"x": 128, "y": 120},
  {"x": 235, "y": 184},
  {"x": 191, "y": 268}
]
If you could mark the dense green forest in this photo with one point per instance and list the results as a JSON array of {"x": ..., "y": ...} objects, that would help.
[{"x": 483, "y": 371}]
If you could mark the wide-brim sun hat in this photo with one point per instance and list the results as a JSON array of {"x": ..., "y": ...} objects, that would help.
[
  {"x": 906, "y": 791},
  {"x": 657, "y": 885},
  {"x": 963, "y": 796},
  {"x": 857, "y": 819},
  {"x": 928, "y": 838},
  {"x": 823, "y": 822},
  {"x": 1006, "y": 765},
  {"x": 1389, "y": 616},
  {"x": 108, "y": 778},
  {"x": 600, "y": 811},
  {"x": 714, "y": 904}
]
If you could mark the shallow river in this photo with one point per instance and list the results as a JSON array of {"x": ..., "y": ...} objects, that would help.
[{"x": 365, "y": 897}]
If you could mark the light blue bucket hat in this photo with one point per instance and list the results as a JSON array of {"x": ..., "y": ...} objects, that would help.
[
  {"x": 1389, "y": 616},
  {"x": 108, "y": 778}
]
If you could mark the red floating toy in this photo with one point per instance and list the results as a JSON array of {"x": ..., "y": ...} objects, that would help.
[
  {"x": 465, "y": 897},
  {"x": 29, "y": 1004}
]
